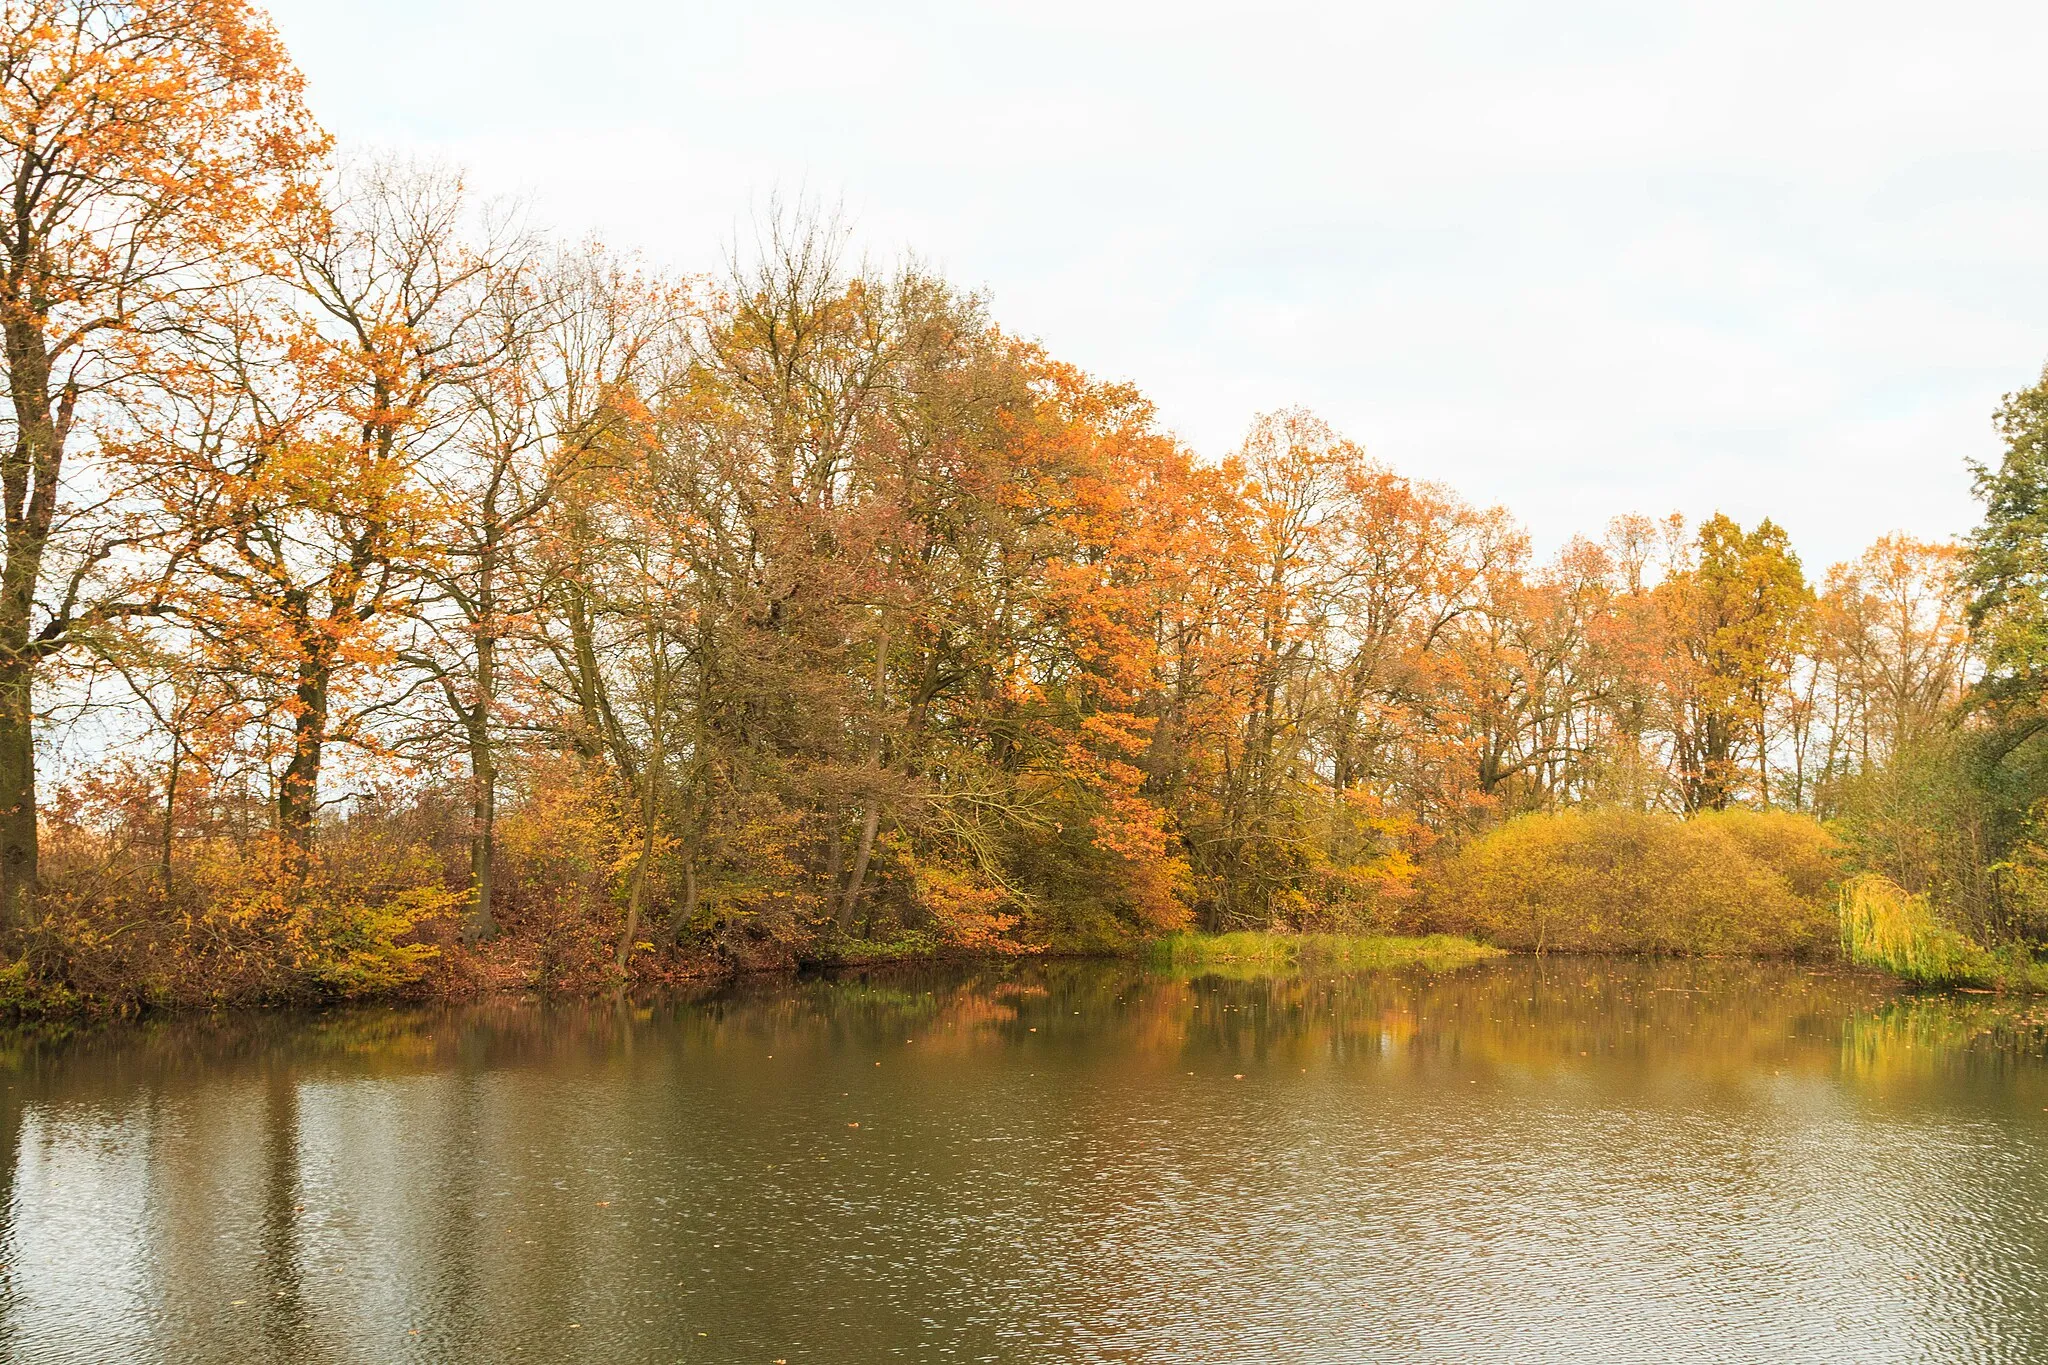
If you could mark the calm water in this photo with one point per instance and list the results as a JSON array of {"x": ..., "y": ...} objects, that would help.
[{"x": 1071, "y": 1162}]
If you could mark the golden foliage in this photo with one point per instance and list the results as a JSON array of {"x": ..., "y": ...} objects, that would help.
[
  {"x": 1616, "y": 880},
  {"x": 256, "y": 920}
]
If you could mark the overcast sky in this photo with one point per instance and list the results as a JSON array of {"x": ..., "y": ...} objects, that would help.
[{"x": 1577, "y": 258}]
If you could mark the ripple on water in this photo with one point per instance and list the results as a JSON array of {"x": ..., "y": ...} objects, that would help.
[{"x": 1611, "y": 1161}]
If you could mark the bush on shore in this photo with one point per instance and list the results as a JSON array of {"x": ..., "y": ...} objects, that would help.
[
  {"x": 246, "y": 922},
  {"x": 1607, "y": 880}
]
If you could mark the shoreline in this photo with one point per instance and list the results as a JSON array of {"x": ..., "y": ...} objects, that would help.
[{"x": 1198, "y": 954}]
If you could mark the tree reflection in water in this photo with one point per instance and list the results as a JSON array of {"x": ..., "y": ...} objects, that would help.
[{"x": 1053, "y": 1161}]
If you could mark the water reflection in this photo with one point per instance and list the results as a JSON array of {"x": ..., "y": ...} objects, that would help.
[{"x": 1066, "y": 1161}]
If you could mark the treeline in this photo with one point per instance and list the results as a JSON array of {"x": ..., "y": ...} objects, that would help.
[{"x": 390, "y": 590}]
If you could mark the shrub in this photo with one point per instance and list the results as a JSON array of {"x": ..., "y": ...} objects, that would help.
[
  {"x": 1614, "y": 880},
  {"x": 559, "y": 844},
  {"x": 1796, "y": 847},
  {"x": 250, "y": 921}
]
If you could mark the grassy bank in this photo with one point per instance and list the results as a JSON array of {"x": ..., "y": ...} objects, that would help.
[{"x": 1289, "y": 952}]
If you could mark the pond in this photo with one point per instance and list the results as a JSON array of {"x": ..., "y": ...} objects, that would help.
[{"x": 1067, "y": 1161}]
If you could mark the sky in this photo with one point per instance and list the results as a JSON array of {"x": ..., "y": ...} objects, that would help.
[{"x": 1576, "y": 258}]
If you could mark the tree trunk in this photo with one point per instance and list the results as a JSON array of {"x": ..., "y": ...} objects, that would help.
[
  {"x": 869, "y": 824},
  {"x": 29, "y": 483},
  {"x": 872, "y": 821},
  {"x": 170, "y": 813},
  {"x": 598, "y": 732},
  {"x": 637, "y": 892},
  {"x": 673, "y": 929},
  {"x": 835, "y": 865},
  {"x": 650, "y": 792},
  {"x": 17, "y": 790},
  {"x": 483, "y": 839},
  {"x": 298, "y": 797},
  {"x": 483, "y": 771}
]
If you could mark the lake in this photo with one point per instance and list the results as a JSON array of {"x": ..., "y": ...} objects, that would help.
[{"x": 1062, "y": 1161}]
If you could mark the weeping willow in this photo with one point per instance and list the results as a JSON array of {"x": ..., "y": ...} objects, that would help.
[{"x": 1887, "y": 927}]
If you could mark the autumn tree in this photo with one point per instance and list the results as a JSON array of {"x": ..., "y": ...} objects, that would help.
[
  {"x": 1531, "y": 678},
  {"x": 1737, "y": 614},
  {"x": 574, "y": 346},
  {"x": 147, "y": 147},
  {"x": 1324, "y": 654},
  {"x": 1901, "y": 645},
  {"x": 291, "y": 445}
]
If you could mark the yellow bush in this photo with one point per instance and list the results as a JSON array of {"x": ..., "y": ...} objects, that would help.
[
  {"x": 250, "y": 921},
  {"x": 1612, "y": 880},
  {"x": 1797, "y": 847},
  {"x": 339, "y": 925}
]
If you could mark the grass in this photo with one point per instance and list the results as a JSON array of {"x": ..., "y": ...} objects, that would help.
[
  {"x": 1888, "y": 928},
  {"x": 1269, "y": 952}
]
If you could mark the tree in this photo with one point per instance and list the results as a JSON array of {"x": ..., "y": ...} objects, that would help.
[
  {"x": 2007, "y": 575},
  {"x": 576, "y": 342},
  {"x": 146, "y": 148},
  {"x": 292, "y": 447},
  {"x": 1737, "y": 616},
  {"x": 1903, "y": 649}
]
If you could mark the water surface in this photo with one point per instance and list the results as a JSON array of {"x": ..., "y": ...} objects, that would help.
[{"x": 1052, "y": 1162}]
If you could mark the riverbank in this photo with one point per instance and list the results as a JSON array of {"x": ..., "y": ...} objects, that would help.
[
  {"x": 458, "y": 973},
  {"x": 1884, "y": 934},
  {"x": 255, "y": 930}
]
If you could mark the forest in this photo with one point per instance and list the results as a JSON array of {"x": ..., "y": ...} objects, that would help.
[{"x": 398, "y": 597}]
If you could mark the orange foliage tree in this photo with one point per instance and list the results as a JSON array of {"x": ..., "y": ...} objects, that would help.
[
  {"x": 148, "y": 147},
  {"x": 801, "y": 613}
]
